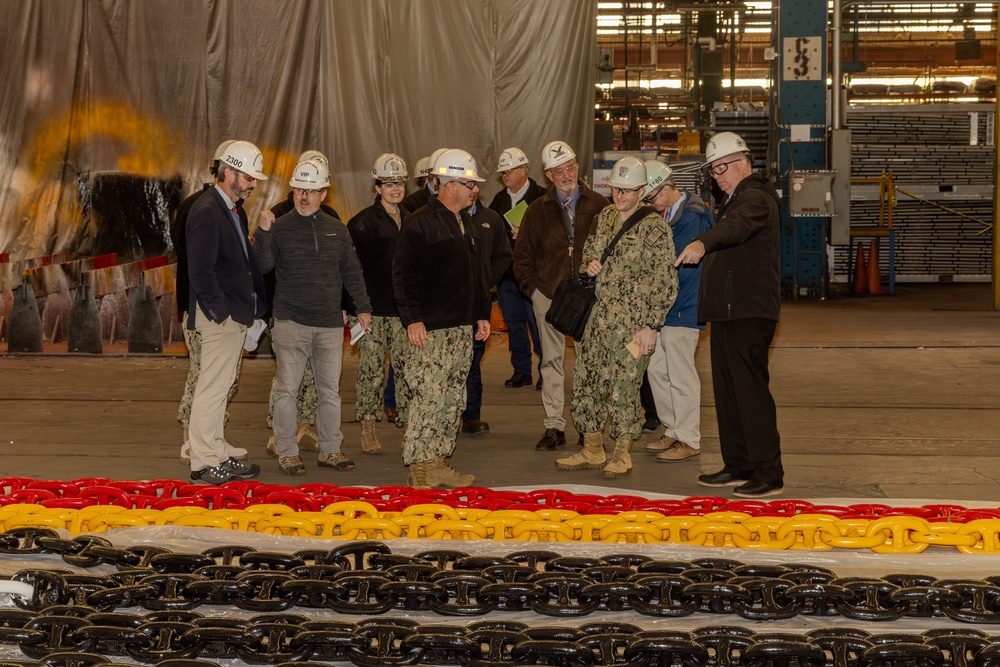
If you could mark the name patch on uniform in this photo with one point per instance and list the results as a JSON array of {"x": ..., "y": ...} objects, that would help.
[{"x": 653, "y": 237}]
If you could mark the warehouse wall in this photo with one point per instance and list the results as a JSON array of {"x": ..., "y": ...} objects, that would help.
[{"x": 132, "y": 96}]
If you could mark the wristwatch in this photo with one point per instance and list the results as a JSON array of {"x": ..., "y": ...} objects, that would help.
[{"x": 655, "y": 327}]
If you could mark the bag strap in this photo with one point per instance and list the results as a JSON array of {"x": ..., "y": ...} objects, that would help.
[{"x": 639, "y": 214}]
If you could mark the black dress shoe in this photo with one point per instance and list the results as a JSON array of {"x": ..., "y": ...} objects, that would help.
[
  {"x": 758, "y": 489},
  {"x": 474, "y": 426},
  {"x": 518, "y": 379},
  {"x": 723, "y": 478},
  {"x": 579, "y": 441},
  {"x": 553, "y": 438},
  {"x": 538, "y": 385}
]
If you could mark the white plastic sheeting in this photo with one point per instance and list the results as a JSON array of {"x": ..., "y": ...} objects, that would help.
[{"x": 149, "y": 88}]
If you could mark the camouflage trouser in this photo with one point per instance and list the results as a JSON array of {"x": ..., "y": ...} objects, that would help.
[
  {"x": 606, "y": 381},
  {"x": 193, "y": 341},
  {"x": 387, "y": 336},
  {"x": 436, "y": 378},
  {"x": 306, "y": 401}
]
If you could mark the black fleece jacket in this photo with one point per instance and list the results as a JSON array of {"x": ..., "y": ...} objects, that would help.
[
  {"x": 374, "y": 233},
  {"x": 437, "y": 275}
]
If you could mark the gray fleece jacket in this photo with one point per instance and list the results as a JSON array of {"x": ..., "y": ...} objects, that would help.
[{"x": 313, "y": 261}]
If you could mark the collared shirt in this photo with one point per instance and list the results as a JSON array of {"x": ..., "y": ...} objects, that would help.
[
  {"x": 516, "y": 197},
  {"x": 669, "y": 214},
  {"x": 236, "y": 219}
]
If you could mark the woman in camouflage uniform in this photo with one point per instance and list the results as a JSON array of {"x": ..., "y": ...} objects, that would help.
[{"x": 636, "y": 286}]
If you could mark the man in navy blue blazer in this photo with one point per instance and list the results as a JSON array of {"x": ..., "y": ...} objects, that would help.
[{"x": 226, "y": 293}]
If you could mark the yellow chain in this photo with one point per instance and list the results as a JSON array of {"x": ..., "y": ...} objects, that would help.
[{"x": 355, "y": 520}]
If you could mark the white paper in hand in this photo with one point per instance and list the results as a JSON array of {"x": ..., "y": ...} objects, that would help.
[
  {"x": 254, "y": 332},
  {"x": 357, "y": 331}
]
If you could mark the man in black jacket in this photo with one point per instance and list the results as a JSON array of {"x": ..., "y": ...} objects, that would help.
[
  {"x": 740, "y": 295},
  {"x": 438, "y": 284},
  {"x": 224, "y": 297},
  {"x": 495, "y": 257},
  {"x": 518, "y": 315}
]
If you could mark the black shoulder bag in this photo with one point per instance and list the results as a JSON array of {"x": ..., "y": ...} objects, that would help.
[{"x": 574, "y": 298}]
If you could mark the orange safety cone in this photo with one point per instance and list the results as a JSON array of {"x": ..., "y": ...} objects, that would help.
[
  {"x": 874, "y": 276},
  {"x": 860, "y": 285}
]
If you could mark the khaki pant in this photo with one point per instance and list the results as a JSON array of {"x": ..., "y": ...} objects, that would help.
[
  {"x": 676, "y": 385},
  {"x": 221, "y": 353},
  {"x": 553, "y": 356}
]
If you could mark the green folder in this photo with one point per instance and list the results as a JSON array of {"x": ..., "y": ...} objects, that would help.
[{"x": 516, "y": 214}]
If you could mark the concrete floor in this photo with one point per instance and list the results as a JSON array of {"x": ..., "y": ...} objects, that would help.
[{"x": 885, "y": 397}]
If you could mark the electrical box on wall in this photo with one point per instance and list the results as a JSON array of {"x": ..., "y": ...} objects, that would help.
[{"x": 810, "y": 194}]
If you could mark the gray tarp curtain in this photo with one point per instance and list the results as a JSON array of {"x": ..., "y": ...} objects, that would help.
[{"x": 111, "y": 109}]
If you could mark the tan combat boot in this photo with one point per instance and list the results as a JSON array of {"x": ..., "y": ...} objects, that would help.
[
  {"x": 621, "y": 460},
  {"x": 591, "y": 457},
  {"x": 418, "y": 476},
  {"x": 369, "y": 441},
  {"x": 439, "y": 473},
  {"x": 307, "y": 437}
]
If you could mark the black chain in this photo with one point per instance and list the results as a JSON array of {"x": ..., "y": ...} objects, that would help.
[
  {"x": 75, "y": 637},
  {"x": 365, "y": 577}
]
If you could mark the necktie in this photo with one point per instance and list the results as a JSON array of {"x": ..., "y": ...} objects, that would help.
[
  {"x": 570, "y": 216},
  {"x": 239, "y": 230}
]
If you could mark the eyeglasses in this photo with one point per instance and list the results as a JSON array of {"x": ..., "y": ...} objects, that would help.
[
  {"x": 621, "y": 191},
  {"x": 508, "y": 172},
  {"x": 568, "y": 169},
  {"x": 303, "y": 191},
  {"x": 471, "y": 185},
  {"x": 720, "y": 169},
  {"x": 652, "y": 196}
]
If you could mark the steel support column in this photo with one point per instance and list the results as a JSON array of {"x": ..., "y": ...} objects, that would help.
[{"x": 800, "y": 127}]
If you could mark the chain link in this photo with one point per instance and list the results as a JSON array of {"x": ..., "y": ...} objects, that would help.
[
  {"x": 367, "y": 578},
  {"x": 187, "y": 639},
  {"x": 693, "y": 526}
]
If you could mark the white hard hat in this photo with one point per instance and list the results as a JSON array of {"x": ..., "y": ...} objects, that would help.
[
  {"x": 512, "y": 158},
  {"x": 389, "y": 167},
  {"x": 723, "y": 144},
  {"x": 456, "y": 163},
  {"x": 628, "y": 173},
  {"x": 313, "y": 154},
  {"x": 423, "y": 167},
  {"x": 556, "y": 153},
  {"x": 433, "y": 158},
  {"x": 219, "y": 152},
  {"x": 657, "y": 174},
  {"x": 310, "y": 175},
  {"x": 244, "y": 156}
]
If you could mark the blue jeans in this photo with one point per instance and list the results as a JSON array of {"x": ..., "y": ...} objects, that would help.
[
  {"x": 519, "y": 317},
  {"x": 293, "y": 345}
]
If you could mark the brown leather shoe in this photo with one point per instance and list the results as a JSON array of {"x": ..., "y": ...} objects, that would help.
[
  {"x": 552, "y": 439},
  {"x": 678, "y": 451}
]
